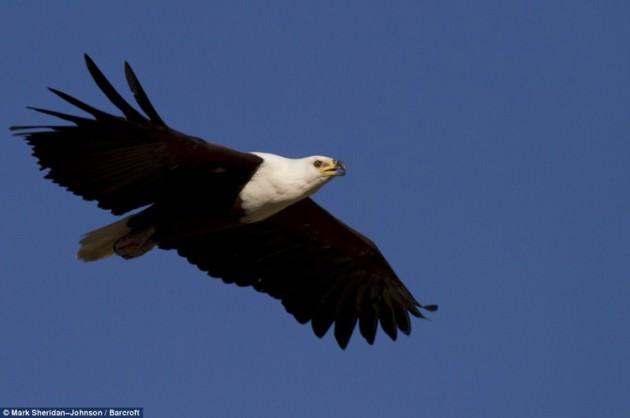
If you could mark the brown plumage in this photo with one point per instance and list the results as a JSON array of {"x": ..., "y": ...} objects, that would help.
[{"x": 322, "y": 270}]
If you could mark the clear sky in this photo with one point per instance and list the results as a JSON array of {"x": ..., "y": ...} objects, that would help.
[{"x": 488, "y": 150}]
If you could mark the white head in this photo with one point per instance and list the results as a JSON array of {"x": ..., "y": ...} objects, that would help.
[
  {"x": 307, "y": 175},
  {"x": 310, "y": 172},
  {"x": 323, "y": 167},
  {"x": 280, "y": 182}
]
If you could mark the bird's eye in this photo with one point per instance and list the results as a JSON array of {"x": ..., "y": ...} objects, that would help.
[{"x": 317, "y": 163}]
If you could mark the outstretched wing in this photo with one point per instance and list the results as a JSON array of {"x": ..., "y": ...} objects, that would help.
[
  {"x": 322, "y": 270},
  {"x": 131, "y": 161}
]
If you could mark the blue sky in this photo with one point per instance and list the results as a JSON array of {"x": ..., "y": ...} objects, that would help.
[{"x": 487, "y": 146}]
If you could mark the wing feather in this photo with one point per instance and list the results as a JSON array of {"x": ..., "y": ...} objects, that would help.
[
  {"x": 98, "y": 114},
  {"x": 128, "y": 162},
  {"x": 322, "y": 270},
  {"x": 106, "y": 87},
  {"x": 71, "y": 118},
  {"x": 141, "y": 96}
]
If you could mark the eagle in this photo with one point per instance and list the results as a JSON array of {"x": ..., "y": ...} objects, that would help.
[{"x": 246, "y": 218}]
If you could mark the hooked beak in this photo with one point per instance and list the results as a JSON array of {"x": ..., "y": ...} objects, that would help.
[
  {"x": 333, "y": 168},
  {"x": 340, "y": 168}
]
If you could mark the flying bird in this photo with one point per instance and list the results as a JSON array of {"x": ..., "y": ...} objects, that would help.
[{"x": 246, "y": 218}]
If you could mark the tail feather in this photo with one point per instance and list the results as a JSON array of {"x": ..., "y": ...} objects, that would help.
[{"x": 99, "y": 243}]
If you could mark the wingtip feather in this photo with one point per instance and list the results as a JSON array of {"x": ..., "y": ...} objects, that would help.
[
  {"x": 430, "y": 308},
  {"x": 141, "y": 96},
  {"x": 108, "y": 89}
]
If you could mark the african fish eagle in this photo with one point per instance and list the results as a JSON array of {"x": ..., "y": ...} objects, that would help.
[{"x": 246, "y": 218}]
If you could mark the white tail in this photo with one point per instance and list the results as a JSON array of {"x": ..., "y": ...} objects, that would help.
[{"x": 99, "y": 244}]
